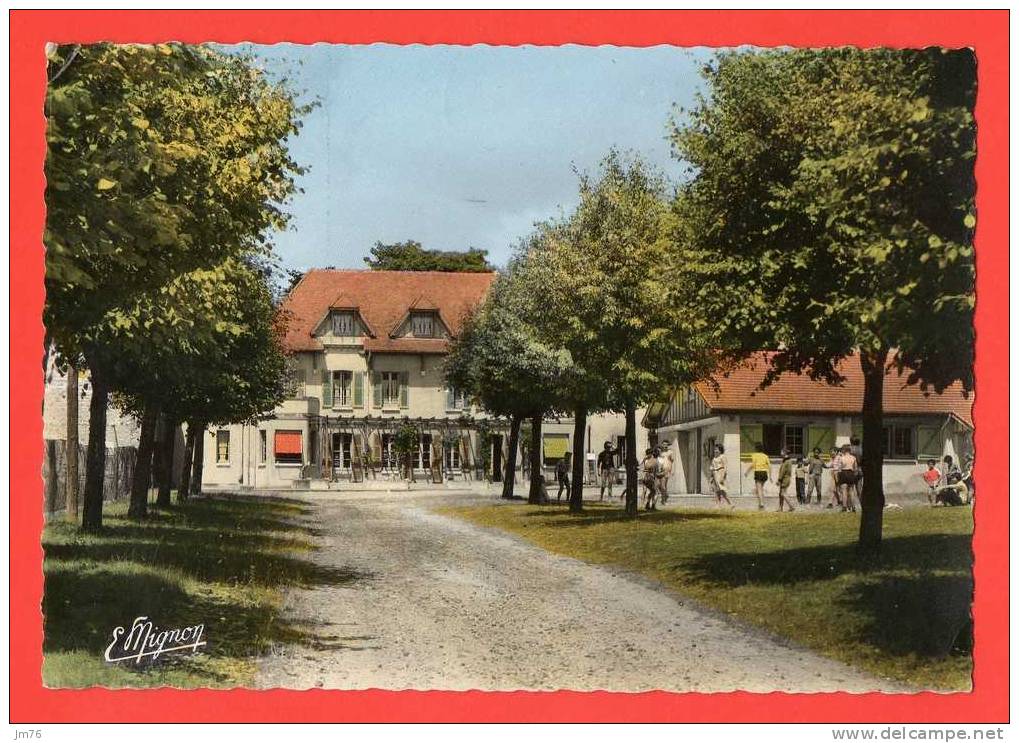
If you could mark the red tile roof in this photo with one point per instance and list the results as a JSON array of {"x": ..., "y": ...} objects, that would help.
[
  {"x": 382, "y": 298},
  {"x": 800, "y": 394}
]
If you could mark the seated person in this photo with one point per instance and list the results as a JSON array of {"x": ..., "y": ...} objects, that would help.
[{"x": 955, "y": 493}]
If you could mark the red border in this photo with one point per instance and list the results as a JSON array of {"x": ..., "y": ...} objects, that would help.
[{"x": 985, "y": 31}]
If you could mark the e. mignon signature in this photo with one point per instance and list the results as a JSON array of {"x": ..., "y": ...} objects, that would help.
[{"x": 146, "y": 640}]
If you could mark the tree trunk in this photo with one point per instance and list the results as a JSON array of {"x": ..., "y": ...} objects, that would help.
[
  {"x": 71, "y": 449},
  {"x": 95, "y": 462},
  {"x": 142, "y": 479},
  {"x": 184, "y": 486},
  {"x": 577, "y": 486},
  {"x": 199, "y": 463},
  {"x": 537, "y": 492},
  {"x": 509, "y": 473},
  {"x": 166, "y": 462},
  {"x": 631, "y": 459},
  {"x": 872, "y": 500}
]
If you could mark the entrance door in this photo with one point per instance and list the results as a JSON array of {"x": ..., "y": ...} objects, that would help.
[
  {"x": 497, "y": 458},
  {"x": 342, "y": 458}
]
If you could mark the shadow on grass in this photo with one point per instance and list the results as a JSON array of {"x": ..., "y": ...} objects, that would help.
[
  {"x": 920, "y": 553},
  {"x": 594, "y": 517},
  {"x": 213, "y": 562},
  {"x": 925, "y": 615},
  {"x": 914, "y": 597}
]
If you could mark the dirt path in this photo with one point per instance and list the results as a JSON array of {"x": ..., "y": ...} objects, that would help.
[{"x": 448, "y": 605}]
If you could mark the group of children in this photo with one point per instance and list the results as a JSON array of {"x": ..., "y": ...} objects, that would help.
[
  {"x": 951, "y": 487},
  {"x": 656, "y": 467}
]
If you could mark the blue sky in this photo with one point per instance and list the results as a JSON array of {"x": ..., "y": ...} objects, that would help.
[{"x": 461, "y": 147}]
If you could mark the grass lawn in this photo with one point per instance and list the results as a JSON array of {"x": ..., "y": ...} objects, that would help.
[
  {"x": 221, "y": 562},
  {"x": 903, "y": 616}
]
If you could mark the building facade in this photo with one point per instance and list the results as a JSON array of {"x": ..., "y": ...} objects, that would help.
[
  {"x": 800, "y": 414},
  {"x": 364, "y": 373}
]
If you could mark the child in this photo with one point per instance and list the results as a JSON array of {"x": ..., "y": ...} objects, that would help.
[
  {"x": 649, "y": 477},
  {"x": 562, "y": 471},
  {"x": 785, "y": 476},
  {"x": 801, "y": 481},
  {"x": 718, "y": 476},
  {"x": 932, "y": 476},
  {"x": 760, "y": 465},
  {"x": 850, "y": 466}
]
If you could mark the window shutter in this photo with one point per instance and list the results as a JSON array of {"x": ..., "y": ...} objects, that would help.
[
  {"x": 820, "y": 437},
  {"x": 404, "y": 389},
  {"x": 327, "y": 388},
  {"x": 749, "y": 438},
  {"x": 928, "y": 442},
  {"x": 377, "y": 390},
  {"x": 857, "y": 432},
  {"x": 450, "y": 399},
  {"x": 358, "y": 389}
]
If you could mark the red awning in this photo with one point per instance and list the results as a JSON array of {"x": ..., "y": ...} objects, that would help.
[{"x": 289, "y": 442}]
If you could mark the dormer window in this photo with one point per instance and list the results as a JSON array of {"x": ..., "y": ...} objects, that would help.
[
  {"x": 343, "y": 323},
  {"x": 422, "y": 324}
]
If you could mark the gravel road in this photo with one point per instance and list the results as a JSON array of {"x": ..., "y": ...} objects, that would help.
[{"x": 444, "y": 604}]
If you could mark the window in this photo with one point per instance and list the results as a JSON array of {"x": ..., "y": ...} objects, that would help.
[
  {"x": 555, "y": 447},
  {"x": 451, "y": 452},
  {"x": 262, "y": 445},
  {"x": 899, "y": 442},
  {"x": 456, "y": 400},
  {"x": 390, "y": 389},
  {"x": 343, "y": 445},
  {"x": 794, "y": 440},
  {"x": 288, "y": 447},
  {"x": 773, "y": 438},
  {"x": 343, "y": 323},
  {"x": 422, "y": 325},
  {"x": 342, "y": 381},
  {"x": 425, "y": 452},
  {"x": 222, "y": 446}
]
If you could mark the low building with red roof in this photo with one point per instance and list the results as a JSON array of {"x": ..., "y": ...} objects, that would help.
[{"x": 801, "y": 414}]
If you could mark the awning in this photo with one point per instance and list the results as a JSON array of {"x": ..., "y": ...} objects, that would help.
[
  {"x": 556, "y": 446},
  {"x": 289, "y": 442}
]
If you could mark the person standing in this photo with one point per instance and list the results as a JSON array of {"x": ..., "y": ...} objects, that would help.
[
  {"x": 606, "y": 469},
  {"x": 785, "y": 477},
  {"x": 801, "y": 481},
  {"x": 857, "y": 451},
  {"x": 664, "y": 470},
  {"x": 932, "y": 476},
  {"x": 760, "y": 465},
  {"x": 651, "y": 466},
  {"x": 835, "y": 465},
  {"x": 718, "y": 472},
  {"x": 562, "y": 472},
  {"x": 815, "y": 469},
  {"x": 847, "y": 478}
]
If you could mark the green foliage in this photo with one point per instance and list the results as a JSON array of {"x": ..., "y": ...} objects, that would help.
[
  {"x": 208, "y": 346},
  {"x": 410, "y": 256},
  {"x": 832, "y": 207},
  {"x": 162, "y": 160},
  {"x": 499, "y": 356},
  {"x": 609, "y": 286}
]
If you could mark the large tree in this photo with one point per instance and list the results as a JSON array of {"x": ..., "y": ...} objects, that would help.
[
  {"x": 162, "y": 159},
  {"x": 831, "y": 212},
  {"x": 617, "y": 292},
  {"x": 206, "y": 346},
  {"x": 410, "y": 256},
  {"x": 500, "y": 359}
]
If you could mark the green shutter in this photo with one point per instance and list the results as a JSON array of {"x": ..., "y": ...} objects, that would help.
[
  {"x": 358, "y": 389},
  {"x": 327, "y": 388},
  {"x": 928, "y": 442},
  {"x": 450, "y": 399},
  {"x": 820, "y": 437},
  {"x": 404, "y": 389},
  {"x": 857, "y": 432},
  {"x": 377, "y": 390},
  {"x": 749, "y": 438}
]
